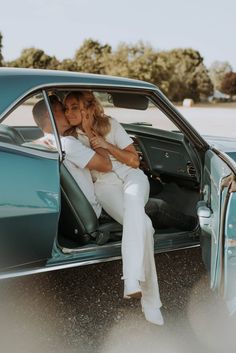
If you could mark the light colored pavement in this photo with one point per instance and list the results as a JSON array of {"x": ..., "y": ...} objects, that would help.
[
  {"x": 212, "y": 120},
  {"x": 207, "y": 120}
]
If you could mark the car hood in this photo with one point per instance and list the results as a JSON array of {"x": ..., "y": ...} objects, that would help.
[{"x": 224, "y": 144}]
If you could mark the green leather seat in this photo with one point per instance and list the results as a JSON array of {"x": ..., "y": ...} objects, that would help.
[
  {"x": 78, "y": 220},
  {"x": 10, "y": 135}
]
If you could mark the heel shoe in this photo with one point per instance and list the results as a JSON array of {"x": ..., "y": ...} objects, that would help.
[
  {"x": 132, "y": 289},
  {"x": 153, "y": 315}
]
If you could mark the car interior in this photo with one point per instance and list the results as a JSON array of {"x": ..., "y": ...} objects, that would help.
[{"x": 166, "y": 157}]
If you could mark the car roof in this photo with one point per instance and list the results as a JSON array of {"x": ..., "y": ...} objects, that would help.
[{"x": 16, "y": 82}]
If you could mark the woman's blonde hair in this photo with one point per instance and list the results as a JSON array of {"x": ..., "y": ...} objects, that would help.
[{"x": 101, "y": 121}]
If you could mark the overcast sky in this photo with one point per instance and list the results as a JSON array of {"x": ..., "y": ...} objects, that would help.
[{"x": 60, "y": 26}]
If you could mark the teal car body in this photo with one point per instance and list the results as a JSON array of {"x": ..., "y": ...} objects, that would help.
[{"x": 30, "y": 186}]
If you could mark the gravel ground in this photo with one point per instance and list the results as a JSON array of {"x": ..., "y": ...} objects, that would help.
[{"x": 82, "y": 310}]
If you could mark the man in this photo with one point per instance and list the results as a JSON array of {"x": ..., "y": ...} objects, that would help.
[{"x": 79, "y": 159}]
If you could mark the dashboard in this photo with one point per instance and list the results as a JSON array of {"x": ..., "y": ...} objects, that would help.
[{"x": 164, "y": 155}]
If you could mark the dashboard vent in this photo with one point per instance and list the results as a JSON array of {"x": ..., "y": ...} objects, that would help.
[{"x": 191, "y": 170}]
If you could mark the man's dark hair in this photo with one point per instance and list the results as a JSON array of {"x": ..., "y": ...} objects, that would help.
[{"x": 40, "y": 110}]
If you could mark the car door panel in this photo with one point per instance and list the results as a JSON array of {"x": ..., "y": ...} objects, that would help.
[
  {"x": 215, "y": 225},
  {"x": 29, "y": 205},
  {"x": 29, "y": 133},
  {"x": 227, "y": 265}
]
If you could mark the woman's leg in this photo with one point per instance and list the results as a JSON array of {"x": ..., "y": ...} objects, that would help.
[
  {"x": 136, "y": 192},
  {"x": 150, "y": 288},
  {"x": 110, "y": 196},
  {"x": 125, "y": 203},
  {"x": 138, "y": 245}
]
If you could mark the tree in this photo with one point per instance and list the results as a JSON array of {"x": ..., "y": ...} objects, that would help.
[
  {"x": 1, "y": 57},
  {"x": 139, "y": 61},
  {"x": 143, "y": 63},
  {"x": 179, "y": 73},
  {"x": 35, "y": 58},
  {"x": 189, "y": 77},
  {"x": 228, "y": 85},
  {"x": 68, "y": 65},
  {"x": 203, "y": 83},
  {"x": 217, "y": 72},
  {"x": 92, "y": 57},
  {"x": 118, "y": 62}
]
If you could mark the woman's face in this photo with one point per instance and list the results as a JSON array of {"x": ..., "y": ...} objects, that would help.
[{"x": 73, "y": 108}]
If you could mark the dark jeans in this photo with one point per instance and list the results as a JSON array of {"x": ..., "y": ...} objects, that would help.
[{"x": 163, "y": 215}]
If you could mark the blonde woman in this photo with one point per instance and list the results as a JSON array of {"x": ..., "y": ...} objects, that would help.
[{"x": 123, "y": 193}]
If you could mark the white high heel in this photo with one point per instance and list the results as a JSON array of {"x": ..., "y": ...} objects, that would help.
[
  {"x": 153, "y": 315},
  {"x": 132, "y": 289}
]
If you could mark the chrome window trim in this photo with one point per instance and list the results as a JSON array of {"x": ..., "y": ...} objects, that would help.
[
  {"x": 30, "y": 151},
  {"x": 229, "y": 161},
  {"x": 41, "y": 87},
  {"x": 54, "y": 126}
]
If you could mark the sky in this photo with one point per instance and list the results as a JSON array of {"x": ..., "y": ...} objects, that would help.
[{"x": 59, "y": 27}]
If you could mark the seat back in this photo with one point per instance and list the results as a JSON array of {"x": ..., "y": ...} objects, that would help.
[
  {"x": 78, "y": 219},
  {"x": 10, "y": 135}
]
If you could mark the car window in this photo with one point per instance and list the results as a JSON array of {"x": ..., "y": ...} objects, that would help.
[
  {"x": 151, "y": 116},
  {"x": 20, "y": 127}
]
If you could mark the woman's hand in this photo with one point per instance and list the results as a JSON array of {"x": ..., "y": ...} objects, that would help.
[
  {"x": 87, "y": 121},
  {"x": 98, "y": 142}
]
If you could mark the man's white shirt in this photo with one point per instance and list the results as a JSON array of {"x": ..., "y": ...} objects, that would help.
[{"x": 77, "y": 156}]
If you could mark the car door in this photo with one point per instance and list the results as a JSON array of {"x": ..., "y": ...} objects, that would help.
[
  {"x": 218, "y": 223},
  {"x": 227, "y": 263},
  {"x": 29, "y": 196}
]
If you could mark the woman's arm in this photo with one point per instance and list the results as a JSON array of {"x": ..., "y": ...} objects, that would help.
[
  {"x": 128, "y": 155},
  {"x": 87, "y": 122}
]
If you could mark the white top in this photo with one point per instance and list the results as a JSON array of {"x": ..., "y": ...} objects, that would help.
[
  {"x": 118, "y": 137},
  {"x": 77, "y": 156}
]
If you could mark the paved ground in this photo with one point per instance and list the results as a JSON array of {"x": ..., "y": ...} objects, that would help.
[{"x": 82, "y": 310}]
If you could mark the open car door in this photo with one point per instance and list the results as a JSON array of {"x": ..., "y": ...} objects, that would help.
[
  {"x": 217, "y": 215},
  {"x": 29, "y": 206}
]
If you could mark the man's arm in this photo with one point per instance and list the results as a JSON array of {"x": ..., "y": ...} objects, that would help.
[
  {"x": 128, "y": 155},
  {"x": 99, "y": 163},
  {"x": 85, "y": 157}
]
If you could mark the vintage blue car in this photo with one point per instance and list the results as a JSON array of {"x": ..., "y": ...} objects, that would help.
[{"x": 46, "y": 223}]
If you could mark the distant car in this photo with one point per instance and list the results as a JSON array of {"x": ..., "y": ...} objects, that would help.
[
  {"x": 219, "y": 97},
  {"x": 46, "y": 223}
]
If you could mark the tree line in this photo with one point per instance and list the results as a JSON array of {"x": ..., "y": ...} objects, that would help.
[{"x": 179, "y": 73}]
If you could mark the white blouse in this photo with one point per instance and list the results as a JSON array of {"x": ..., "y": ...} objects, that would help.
[{"x": 118, "y": 137}]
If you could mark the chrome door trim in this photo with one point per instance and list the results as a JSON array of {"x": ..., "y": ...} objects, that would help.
[
  {"x": 78, "y": 264},
  {"x": 54, "y": 126},
  {"x": 30, "y": 151}
]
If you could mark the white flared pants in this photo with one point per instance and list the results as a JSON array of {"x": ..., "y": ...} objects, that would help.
[{"x": 124, "y": 200}]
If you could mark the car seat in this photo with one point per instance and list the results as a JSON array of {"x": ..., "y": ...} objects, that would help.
[{"x": 78, "y": 220}]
